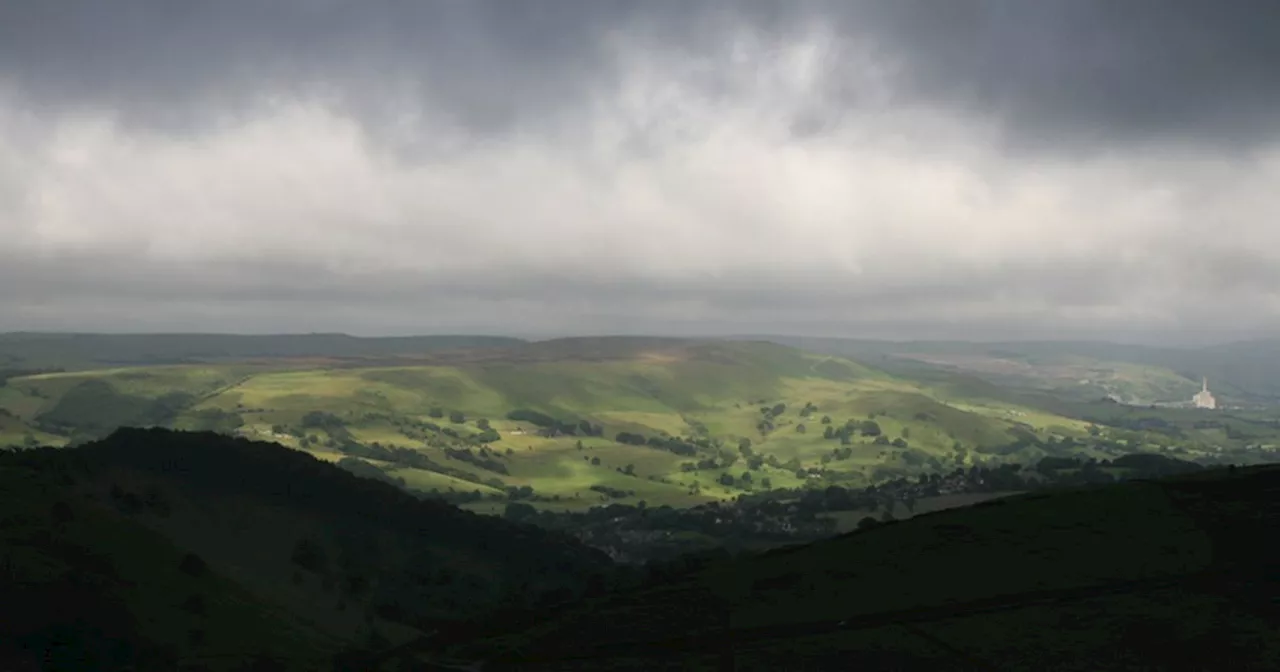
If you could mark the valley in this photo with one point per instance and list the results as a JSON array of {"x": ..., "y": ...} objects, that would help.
[{"x": 570, "y": 424}]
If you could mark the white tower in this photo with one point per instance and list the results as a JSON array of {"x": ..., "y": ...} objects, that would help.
[{"x": 1204, "y": 398}]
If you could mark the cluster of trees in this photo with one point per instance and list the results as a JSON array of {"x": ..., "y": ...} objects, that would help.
[
  {"x": 550, "y": 426},
  {"x": 846, "y": 432},
  {"x": 687, "y": 447},
  {"x": 487, "y": 459},
  {"x": 614, "y": 493},
  {"x": 745, "y": 481}
]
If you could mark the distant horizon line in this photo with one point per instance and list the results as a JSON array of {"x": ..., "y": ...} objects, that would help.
[{"x": 542, "y": 338}]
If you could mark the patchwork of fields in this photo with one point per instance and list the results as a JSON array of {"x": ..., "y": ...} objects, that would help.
[{"x": 748, "y": 416}]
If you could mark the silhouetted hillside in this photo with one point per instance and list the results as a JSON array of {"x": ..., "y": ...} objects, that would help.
[
  {"x": 311, "y": 548},
  {"x": 1145, "y": 575}
]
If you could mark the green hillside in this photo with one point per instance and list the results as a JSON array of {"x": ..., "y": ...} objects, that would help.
[
  {"x": 1145, "y": 575},
  {"x": 1243, "y": 373},
  {"x": 698, "y": 411},
  {"x": 193, "y": 548},
  {"x": 574, "y": 423}
]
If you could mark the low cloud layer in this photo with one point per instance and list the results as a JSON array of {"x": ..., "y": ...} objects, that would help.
[{"x": 997, "y": 170}]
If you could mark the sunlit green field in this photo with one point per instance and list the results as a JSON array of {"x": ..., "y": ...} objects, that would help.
[{"x": 714, "y": 391}]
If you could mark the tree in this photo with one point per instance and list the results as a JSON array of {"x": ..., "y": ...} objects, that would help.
[
  {"x": 867, "y": 523},
  {"x": 778, "y": 409},
  {"x": 595, "y": 461},
  {"x": 899, "y": 443},
  {"x": 726, "y": 480},
  {"x": 826, "y": 419},
  {"x": 436, "y": 412},
  {"x": 518, "y": 511},
  {"x": 746, "y": 477},
  {"x": 828, "y": 433},
  {"x": 744, "y": 446},
  {"x": 800, "y": 429},
  {"x": 457, "y": 418},
  {"x": 766, "y": 483},
  {"x": 906, "y": 432},
  {"x": 578, "y": 445},
  {"x": 870, "y": 428},
  {"x": 482, "y": 423},
  {"x": 629, "y": 470}
]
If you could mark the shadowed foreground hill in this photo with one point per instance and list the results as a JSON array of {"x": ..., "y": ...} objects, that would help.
[
  {"x": 193, "y": 547},
  {"x": 1147, "y": 575}
]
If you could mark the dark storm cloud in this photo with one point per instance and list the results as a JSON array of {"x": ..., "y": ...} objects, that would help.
[
  {"x": 1054, "y": 71},
  {"x": 902, "y": 167},
  {"x": 487, "y": 65},
  {"x": 1096, "y": 70}
]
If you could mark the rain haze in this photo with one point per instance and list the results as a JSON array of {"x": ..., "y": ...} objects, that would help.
[{"x": 1082, "y": 169}]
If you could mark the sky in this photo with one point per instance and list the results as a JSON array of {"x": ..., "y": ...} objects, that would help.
[{"x": 908, "y": 169}]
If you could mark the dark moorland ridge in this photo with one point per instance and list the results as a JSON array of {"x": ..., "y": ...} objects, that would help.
[
  {"x": 162, "y": 546},
  {"x": 167, "y": 550}
]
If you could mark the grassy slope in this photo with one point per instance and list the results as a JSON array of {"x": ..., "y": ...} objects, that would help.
[
  {"x": 142, "y": 589},
  {"x": 643, "y": 385},
  {"x": 964, "y": 586},
  {"x": 650, "y": 386},
  {"x": 1238, "y": 372},
  {"x": 223, "y": 500}
]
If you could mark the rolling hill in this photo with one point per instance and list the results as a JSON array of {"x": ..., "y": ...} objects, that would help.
[
  {"x": 1145, "y": 575},
  {"x": 168, "y": 550},
  {"x": 574, "y": 423},
  {"x": 694, "y": 411},
  {"x": 1243, "y": 373},
  {"x": 74, "y": 351}
]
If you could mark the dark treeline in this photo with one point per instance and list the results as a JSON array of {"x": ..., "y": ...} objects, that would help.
[{"x": 550, "y": 426}]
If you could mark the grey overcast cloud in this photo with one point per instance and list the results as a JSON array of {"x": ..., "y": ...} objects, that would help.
[{"x": 904, "y": 169}]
